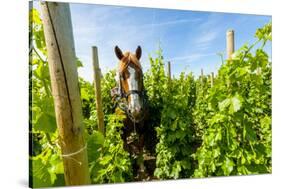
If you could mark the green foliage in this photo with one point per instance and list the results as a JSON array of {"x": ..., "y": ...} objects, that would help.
[
  {"x": 112, "y": 163},
  {"x": 155, "y": 81},
  {"x": 36, "y": 33},
  {"x": 175, "y": 131},
  {"x": 46, "y": 166},
  {"x": 264, "y": 34},
  {"x": 107, "y": 83},
  {"x": 88, "y": 105},
  {"x": 200, "y": 110},
  {"x": 226, "y": 128},
  {"x": 109, "y": 162},
  {"x": 87, "y": 93},
  {"x": 237, "y": 136}
]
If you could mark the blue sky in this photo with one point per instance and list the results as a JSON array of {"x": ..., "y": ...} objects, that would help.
[{"x": 189, "y": 39}]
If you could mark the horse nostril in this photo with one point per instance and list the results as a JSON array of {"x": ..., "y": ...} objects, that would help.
[{"x": 138, "y": 109}]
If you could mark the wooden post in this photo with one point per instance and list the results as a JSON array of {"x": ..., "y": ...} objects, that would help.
[
  {"x": 212, "y": 79},
  {"x": 97, "y": 80},
  {"x": 202, "y": 75},
  {"x": 169, "y": 70},
  {"x": 229, "y": 43},
  {"x": 65, "y": 90}
]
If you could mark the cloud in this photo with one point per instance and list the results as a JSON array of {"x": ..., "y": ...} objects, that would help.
[
  {"x": 205, "y": 40},
  {"x": 209, "y": 31},
  {"x": 214, "y": 20},
  {"x": 172, "y": 22},
  {"x": 207, "y": 37},
  {"x": 192, "y": 57}
]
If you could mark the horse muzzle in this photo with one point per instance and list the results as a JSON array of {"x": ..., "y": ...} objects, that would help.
[{"x": 135, "y": 113}]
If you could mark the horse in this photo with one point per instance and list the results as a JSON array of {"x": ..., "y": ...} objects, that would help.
[{"x": 131, "y": 98}]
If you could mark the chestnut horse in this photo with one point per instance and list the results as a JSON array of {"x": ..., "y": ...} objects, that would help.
[{"x": 131, "y": 98}]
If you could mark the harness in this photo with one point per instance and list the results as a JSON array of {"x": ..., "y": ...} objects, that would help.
[{"x": 121, "y": 97}]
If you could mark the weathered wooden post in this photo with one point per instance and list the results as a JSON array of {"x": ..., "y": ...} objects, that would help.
[
  {"x": 202, "y": 75},
  {"x": 169, "y": 70},
  {"x": 65, "y": 90},
  {"x": 97, "y": 83},
  {"x": 212, "y": 79},
  {"x": 229, "y": 43}
]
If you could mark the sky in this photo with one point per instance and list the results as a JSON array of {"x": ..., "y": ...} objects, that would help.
[{"x": 190, "y": 40}]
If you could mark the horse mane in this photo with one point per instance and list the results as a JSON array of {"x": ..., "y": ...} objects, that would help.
[{"x": 127, "y": 59}]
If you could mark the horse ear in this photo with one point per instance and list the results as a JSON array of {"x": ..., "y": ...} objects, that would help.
[
  {"x": 118, "y": 52},
  {"x": 138, "y": 52}
]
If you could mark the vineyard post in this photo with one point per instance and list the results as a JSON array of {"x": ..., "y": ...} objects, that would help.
[
  {"x": 169, "y": 70},
  {"x": 65, "y": 91},
  {"x": 229, "y": 43},
  {"x": 202, "y": 75},
  {"x": 97, "y": 80},
  {"x": 212, "y": 79}
]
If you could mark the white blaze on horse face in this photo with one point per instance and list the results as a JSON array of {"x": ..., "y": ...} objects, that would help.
[{"x": 134, "y": 104}]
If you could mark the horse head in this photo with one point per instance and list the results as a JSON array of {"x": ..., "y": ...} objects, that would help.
[{"x": 130, "y": 82}]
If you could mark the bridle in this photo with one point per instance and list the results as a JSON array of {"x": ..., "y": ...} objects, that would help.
[{"x": 120, "y": 95}]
